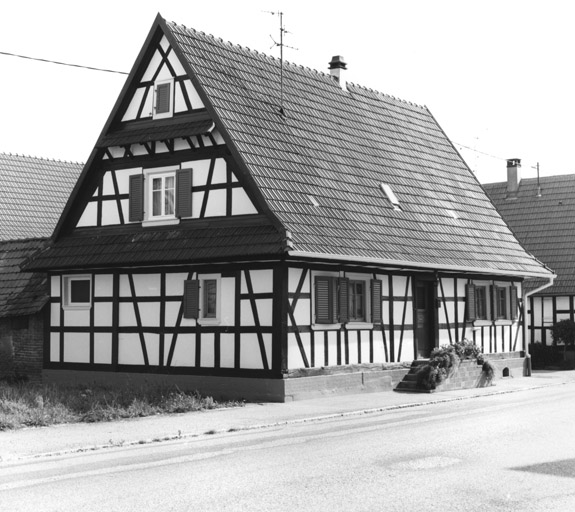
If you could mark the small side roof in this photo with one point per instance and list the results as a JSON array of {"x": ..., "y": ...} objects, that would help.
[{"x": 544, "y": 223}]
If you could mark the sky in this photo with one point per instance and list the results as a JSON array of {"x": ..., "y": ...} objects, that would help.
[{"x": 498, "y": 76}]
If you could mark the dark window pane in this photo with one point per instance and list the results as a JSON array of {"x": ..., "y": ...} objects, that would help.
[{"x": 79, "y": 291}]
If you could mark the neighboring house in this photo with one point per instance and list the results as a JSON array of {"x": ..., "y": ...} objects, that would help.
[
  {"x": 272, "y": 240},
  {"x": 541, "y": 212},
  {"x": 33, "y": 193}
]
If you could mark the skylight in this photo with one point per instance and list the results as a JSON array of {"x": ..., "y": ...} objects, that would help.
[{"x": 390, "y": 196}]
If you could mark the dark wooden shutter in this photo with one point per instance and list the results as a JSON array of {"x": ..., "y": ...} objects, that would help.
[
  {"x": 492, "y": 313},
  {"x": 513, "y": 302},
  {"x": 136, "y": 202},
  {"x": 325, "y": 300},
  {"x": 470, "y": 309},
  {"x": 343, "y": 299},
  {"x": 184, "y": 193},
  {"x": 163, "y": 98},
  {"x": 191, "y": 298},
  {"x": 376, "y": 288}
]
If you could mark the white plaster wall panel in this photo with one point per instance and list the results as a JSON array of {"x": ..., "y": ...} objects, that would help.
[
  {"x": 127, "y": 315},
  {"x": 55, "y": 286},
  {"x": 448, "y": 284},
  {"x": 181, "y": 145},
  {"x": 172, "y": 311},
  {"x": 103, "y": 348},
  {"x": 399, "y": 283},
  {"x": 250, "y": 355},
  {"x": 206, "y": 140},
  {"x": 264, "y": 311},
  {"x": 228, "y": 301},
  {"x": 398, "y": 308},
  {"x": 184, "y": 350},
  {"x": 562, "y": 302},
  {"x": 55, "y": 315},
  {"x": 54, "y": 347},
  {"x": 302, "y": 314},
  {"x": 352, "y": 342},
  {"x": 103, "y": 314},
  {"x": 216, "y": 206},
  {"x": 207, "y": 351},
  {"x": 200, "y": 171},
  {"x": 547, "y": 310},
  {"x": 153, "y": 65},
  {"x": 220, "y": 175},
  {"x": 246, "y": 313},
  {"x": 125, "y": 286},
  {"x": 294, "y": 275},
  {"x": 193, "y": 95},
  {"x": 123, "y": 178},
  {"x": 295, "y": 359},
  {"x": 161, "y": 147},
  {"x": 132, "y": 110},
  {"x": 152, "y": 341},
  {"x": 110, "y": 213},
  {"x": 175, "y": 283},
  {"x": 108, "y": 184},
  {"x": 116, "y": 151},
  {"x": 149, "y": 313},
  {"x": 165, "y": 45},
  {"x": 130, "y": 349},
  {"x": 197, "y": 201},
  {"x": 77, "y": 317},
  {"x": 444, "y": 337},
  {"x": 89, "y": 216},
  {"x": 536, "y": 312},
  {"x": 268, "y": 347},
  {"x": 147, "y": 285},
  {"x": 179, "y": 100},
  {"x": 77, "y": 347},
  {"x": 407, "y": 353},
  {"x": 164, "y": 73},
  {"x": 176, "y": 64},
  {"x": 378, "y": 347},
  {"x": 103, "y": 285},
  {"x": 365, "y": 347},
  {"x": 332, "y": 343},
  {"x": 241, "y": 203},
  {"x": 262, "y": 281},
  {"x": 227, "y": 350},
  {"x": 220, "y": 140},
  {"x": 138, "y": 150},
  {"x": 148, "y": 107},
  {"x": 125, "y": 205}
]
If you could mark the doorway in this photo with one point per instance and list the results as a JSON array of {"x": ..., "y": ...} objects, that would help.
[{"x": 425, "y": 317}]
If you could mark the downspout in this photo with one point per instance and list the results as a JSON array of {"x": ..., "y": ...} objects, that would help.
[{"x": 525, "y": 297}]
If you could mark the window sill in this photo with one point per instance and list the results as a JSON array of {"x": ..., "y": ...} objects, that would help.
[
  {"x": 160, "y": 222},
  {"x": 83, "y": 307},
  {"x": 503, "y": 322},
  {"x": 358, "y": 325},
  {"x": 208, "y": 321},
  {"x": 325, "y": 327}
]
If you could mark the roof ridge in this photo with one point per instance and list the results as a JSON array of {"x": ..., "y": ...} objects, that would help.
[
  {"x": 293, "y": 64},
  {"x": 57, "y": 160}
]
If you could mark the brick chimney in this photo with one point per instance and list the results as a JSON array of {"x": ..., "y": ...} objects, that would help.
[
  {"x": 337, "y": 68},
  {"x": 513, "y": 177}
]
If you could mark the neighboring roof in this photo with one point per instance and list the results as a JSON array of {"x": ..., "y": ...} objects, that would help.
[
  {"x": 545, "y": 225},
  {"x": 339, "y": 146},
  {"x": 33, "y": 194},
  {"x": 21, "y": 293}
]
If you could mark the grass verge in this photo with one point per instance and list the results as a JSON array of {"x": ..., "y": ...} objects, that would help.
[{"x": 34, "y": 405}]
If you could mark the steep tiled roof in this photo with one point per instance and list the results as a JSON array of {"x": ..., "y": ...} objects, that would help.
[
  {"x": 339, "y": 146},
  {"x": 544, "y": 224},
  {"x": 33, "y": 194},
  {"x": 21, "y": 293}
]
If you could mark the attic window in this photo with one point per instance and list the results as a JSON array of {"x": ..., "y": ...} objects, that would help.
[
  {"x": 163, "y": 98},
  {"x": 390, "y": 196}
]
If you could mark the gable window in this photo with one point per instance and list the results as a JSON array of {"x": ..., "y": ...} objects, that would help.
[
  {"x": 77, "y": 291},
  {"x": 491, "y": 301},
  {"x": 160, "y": 196},
  {"x": 202, "y": 299},
  {"x": 163, "y": 99},
  {"x": 342, "y": 300}
]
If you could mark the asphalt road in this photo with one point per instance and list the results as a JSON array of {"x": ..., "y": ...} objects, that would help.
[{"x": 511, "y": 452}]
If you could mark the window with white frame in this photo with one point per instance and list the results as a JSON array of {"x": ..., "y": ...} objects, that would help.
[
  {"x": 346, "y": 300},
  {"x": 202, "y": 299},
  {"x": 160, "y": 195},
  {"x": 163, "y": 99},
  {"x": 77, "y": 291},
  {"x": 489, "y": 301}
]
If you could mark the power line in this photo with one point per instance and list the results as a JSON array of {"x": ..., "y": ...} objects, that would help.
[{"x": 63, "y": 63}]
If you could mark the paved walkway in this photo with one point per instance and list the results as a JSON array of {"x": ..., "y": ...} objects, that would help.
[{"x": 45, "y": 441}]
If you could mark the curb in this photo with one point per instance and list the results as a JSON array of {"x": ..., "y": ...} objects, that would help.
[{"x": 311, "y": 419}]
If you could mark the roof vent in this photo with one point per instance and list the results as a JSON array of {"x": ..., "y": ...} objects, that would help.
[
  {"x": 337, "y": 68},
  {"x": 390, "y": 196}
]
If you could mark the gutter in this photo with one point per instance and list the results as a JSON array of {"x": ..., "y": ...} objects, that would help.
[{"x": 419, "y": 265}]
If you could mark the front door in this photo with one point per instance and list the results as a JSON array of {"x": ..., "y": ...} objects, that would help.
[{"x": 425, "y": 314}]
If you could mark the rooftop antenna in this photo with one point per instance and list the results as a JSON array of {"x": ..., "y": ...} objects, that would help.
[
  {"x": 538, "y": 183},
  {"x": 281, "y": 45}
]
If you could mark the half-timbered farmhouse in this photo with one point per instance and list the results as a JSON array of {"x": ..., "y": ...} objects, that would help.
[
  {"x": 32, "y": 196},
  {"x": 540, "y": 212},
  {"x": 257, "y": 229}
]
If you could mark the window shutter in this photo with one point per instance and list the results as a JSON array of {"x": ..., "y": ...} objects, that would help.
[
  {"x": 192, "y": 299},
  {"x": 492, "y": 313},
  {"x": 163, "y": 98},
  {"x": 136, "y": 201},
  {"x": 376, "y": 317},
  {"x": 325, "y": 300},
  {"x": 343, "y": 299},
  {"x": 184, "y": 193},
  {"x": 470, "y": 302},
  {"x": 513, "y": 302}
]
